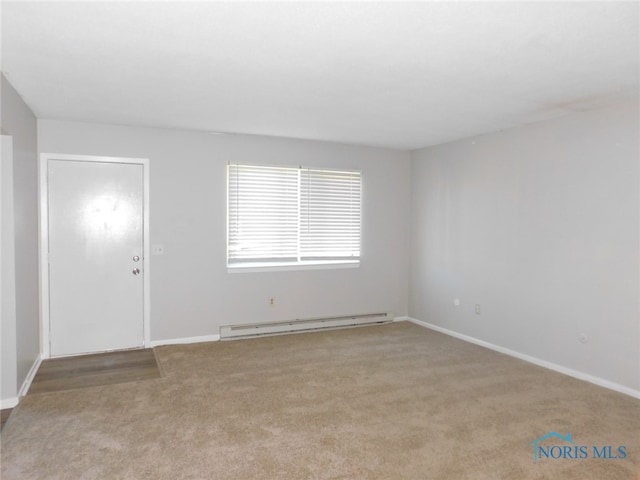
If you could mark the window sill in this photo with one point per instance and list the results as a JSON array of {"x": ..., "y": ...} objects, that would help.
[{"x": 283, "y": 267}]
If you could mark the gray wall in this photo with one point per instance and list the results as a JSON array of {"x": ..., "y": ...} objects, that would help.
[
  {"x": 19, "y": 122},
  {"x": 192, "y": 293},
  {"x": 540, "y": 226},
  {"x": 8, "y": 359}
]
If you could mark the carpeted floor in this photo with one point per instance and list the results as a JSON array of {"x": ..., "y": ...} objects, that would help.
[{"x": 386, "y": 402}]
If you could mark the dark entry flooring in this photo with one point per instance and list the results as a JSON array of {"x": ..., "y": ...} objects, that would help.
[
  {"x": 58, "y": 374},
  {"x": 83, "y": 371}
]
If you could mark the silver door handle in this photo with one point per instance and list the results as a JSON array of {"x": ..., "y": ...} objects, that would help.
[
  {"x": 136, "y": 258},
  {"x": 136, "y": 271}
]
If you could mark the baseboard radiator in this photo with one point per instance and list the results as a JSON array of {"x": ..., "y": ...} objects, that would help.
[{"x": 230, "y": 332}]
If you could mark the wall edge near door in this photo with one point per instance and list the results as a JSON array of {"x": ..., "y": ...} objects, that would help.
[
  {"x": 10, "y": 402},
  {"x": 185, "y": 340},
  {"x": 536, "y": 361},
  {"x": 30, "y": 376}
]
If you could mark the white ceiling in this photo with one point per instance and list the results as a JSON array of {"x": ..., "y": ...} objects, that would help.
[{"x": 399, "y": 75}]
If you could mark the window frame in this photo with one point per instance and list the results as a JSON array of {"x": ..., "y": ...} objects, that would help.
[{"x": 289, "y": 265}]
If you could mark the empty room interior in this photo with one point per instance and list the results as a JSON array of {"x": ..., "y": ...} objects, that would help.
[{"x": 320, "y": 240}]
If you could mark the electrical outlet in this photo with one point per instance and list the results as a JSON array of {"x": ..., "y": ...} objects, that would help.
[
  {"x": 456, "y": 302},
  {"x": 272, "y": 301},
  {"x": 477, "y": 309}
]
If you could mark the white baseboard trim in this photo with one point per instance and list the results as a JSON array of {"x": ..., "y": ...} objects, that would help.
[
  {"x": 185, "y": 340},
  {"x": 8, "y": 402},
  {"x": 30, "y": 376},
  {"x": 13, "y": 401},
  {"x": 536, "y": 361},
  {"x": 403, "y": 318}
]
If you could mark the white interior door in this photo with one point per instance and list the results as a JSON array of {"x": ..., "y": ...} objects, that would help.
[{"x": 95, "y": 227}]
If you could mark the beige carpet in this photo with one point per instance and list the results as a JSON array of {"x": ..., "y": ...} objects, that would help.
[{"x": 386, "y": 402}]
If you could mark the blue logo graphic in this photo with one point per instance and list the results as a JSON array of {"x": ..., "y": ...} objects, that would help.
[
  {"x": 536, "y": 448},
  {"x": 571, "y": 451}
]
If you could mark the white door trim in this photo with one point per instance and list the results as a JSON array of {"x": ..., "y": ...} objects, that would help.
[{"x": 44, "y": 240}]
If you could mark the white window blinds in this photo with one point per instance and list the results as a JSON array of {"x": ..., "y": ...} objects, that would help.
[
  {"x": 263, "y": 214},
  {"x": 329, "y": 214},
  {"x": 292, "y": 215}
]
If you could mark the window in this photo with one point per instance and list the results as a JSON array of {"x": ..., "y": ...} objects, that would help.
[{"x": 292, "y": 216}]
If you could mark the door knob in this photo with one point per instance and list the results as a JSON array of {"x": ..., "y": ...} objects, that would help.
[
  {"x": 136, "y": 271},
  {"x": 136, "y": 258}
]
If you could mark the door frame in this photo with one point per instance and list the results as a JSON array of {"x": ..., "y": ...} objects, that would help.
[{"x": 45, "y": 326}]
